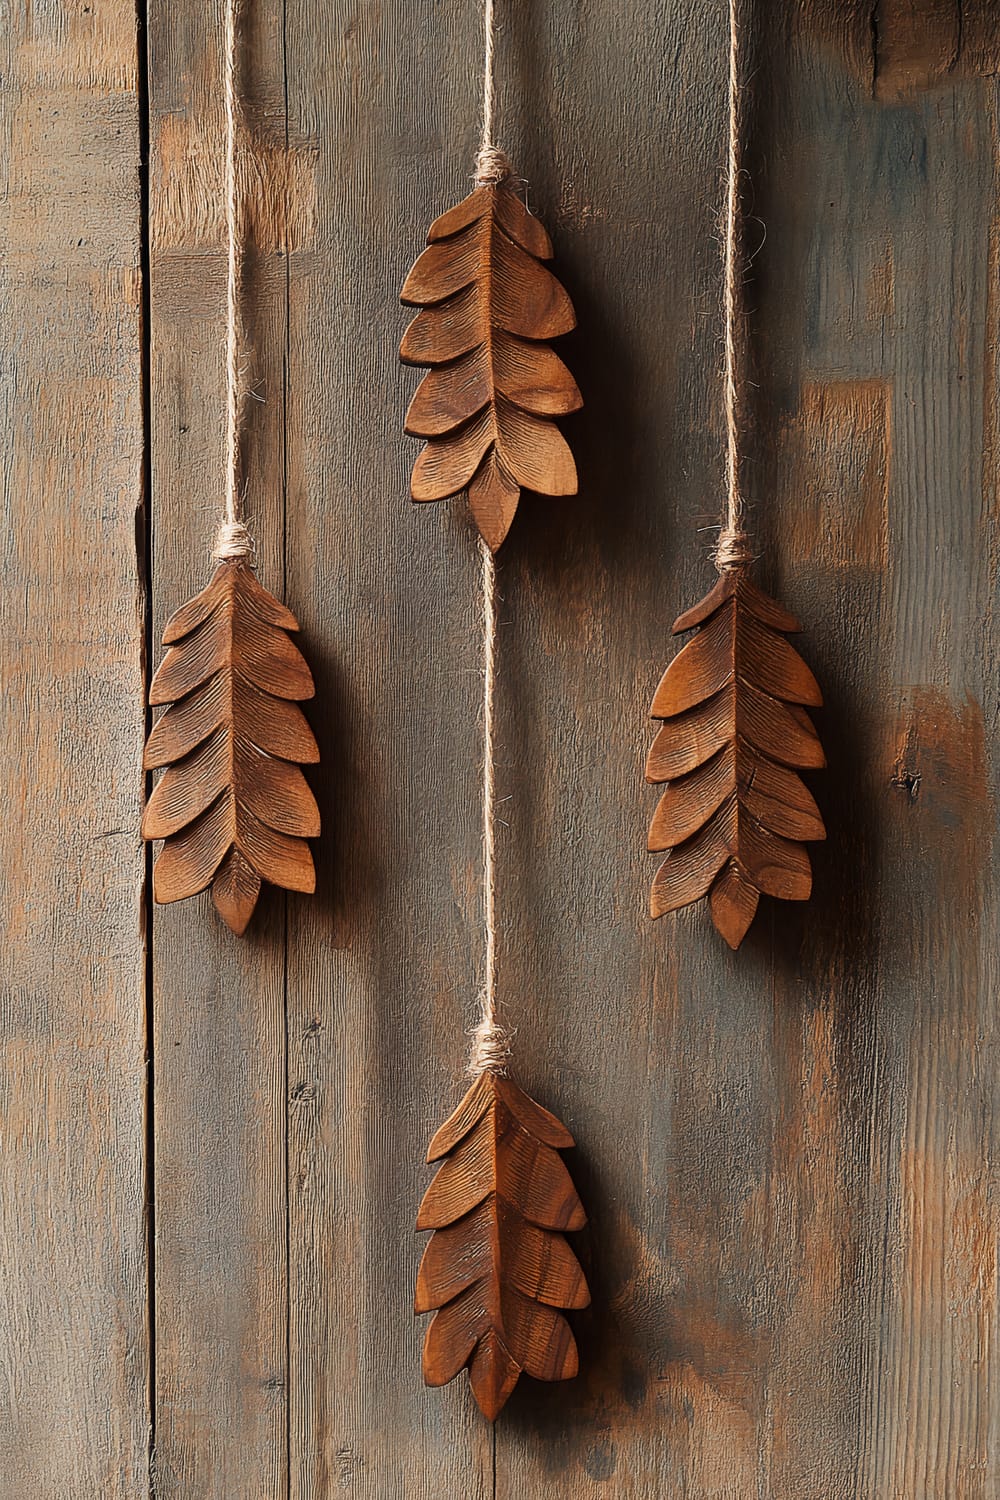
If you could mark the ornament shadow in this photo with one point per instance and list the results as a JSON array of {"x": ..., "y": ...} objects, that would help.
[
  {"x": 349, "y": 876},
  {"x": 618, "y": 1351},
  {"x": 613, "y": 525}
]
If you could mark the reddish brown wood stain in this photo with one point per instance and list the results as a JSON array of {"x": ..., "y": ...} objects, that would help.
[
  {"x": 946, "y": 1231},
  {"x": 489, "y": 307},
  {"x": 940, "y": 769},
  {"x": 920, "y": 44},
  {"x": 734, "y": 736},
  {"x": 277, "y": 181},
  {"x": 498, "y": 1267},
  {"x": 898, "y": 49},
  {"x": 835, "y": 472}
]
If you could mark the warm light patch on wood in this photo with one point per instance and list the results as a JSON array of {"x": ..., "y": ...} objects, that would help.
[
  {"x": 835, "y": 458},
  {"x": 277, "y": 186}
]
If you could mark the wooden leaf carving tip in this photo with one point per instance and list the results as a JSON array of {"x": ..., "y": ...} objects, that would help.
[
  {"x": 498, "y": 1266},
  {"x": 494, "y": 385},
  {"x": 233, "y": 807},
  {"x": 735, "y": 734}
]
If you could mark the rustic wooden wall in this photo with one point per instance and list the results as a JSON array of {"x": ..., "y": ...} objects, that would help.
[
  {"x": 789, "y": 1154},
  {"x": 74, "y": 1309}
]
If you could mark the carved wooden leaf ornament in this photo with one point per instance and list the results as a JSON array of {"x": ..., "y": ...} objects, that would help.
[
  {"x": 487, "y": 405},
  {"x": 233, "y": 807},
  {"x": 497, "y": 1267},
  {"x": 735, "y": 735}
]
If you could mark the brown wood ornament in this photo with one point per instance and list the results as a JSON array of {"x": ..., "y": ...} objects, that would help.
[
  {"x": 735, "y": 733},
  {"x": 233, "y": 807},
  {"x": 498, "y": 1266},
  {"x": 487, "y": 405}
]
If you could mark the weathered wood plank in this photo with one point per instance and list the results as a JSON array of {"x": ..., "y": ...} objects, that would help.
[
  {"x": 219, "y": 1057},
  {"x": 383, "y": 966},
  {"x": 632, "y": 1033},
  {"x": 786, "y": 1154},
  {"x": 73, "y": 1332},
  {"x": 898, "y": 975}
]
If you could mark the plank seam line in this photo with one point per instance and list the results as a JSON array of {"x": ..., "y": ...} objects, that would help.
[
  {"x": 144, "y": 567},
  {"x": 286, "y": 363}
]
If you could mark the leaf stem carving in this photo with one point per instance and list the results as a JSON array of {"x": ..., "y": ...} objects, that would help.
[
  {"x": 487, "y": 404},
  {"x": 735, "y": 734},
  {"x": 497, "y": 1268},
  {"x": 232, "y": 806}
]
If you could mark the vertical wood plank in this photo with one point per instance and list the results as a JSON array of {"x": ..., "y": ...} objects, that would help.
[
  {"x": 628, "y": 1030},
  {"x": 73, "y": 1327},
  {"x": 895, "y": 988},
  {"x": 643, "y": 1037},
  {"x": 219, "y": 1062},
  {"x": 384, "y": 965}
]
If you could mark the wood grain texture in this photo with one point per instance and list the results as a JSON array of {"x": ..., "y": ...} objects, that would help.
[
  {"x": 788, "y": 1157},
  {"x": 232, "y": 806},
  {"x": 739, "y": 1122},
  {"x": 922, "y": 44},
  {"x": 734, "y": 736},
  {"x": 377, "y": 965},
  {"x": 487, "y": 404},
  {"x": 498, "y": 1266},
  {"x": 74, "y": 1344},
  {"x": 218, "y": 1043}
]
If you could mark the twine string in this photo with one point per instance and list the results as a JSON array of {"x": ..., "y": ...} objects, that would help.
[
  {"x": 492, "y": 165},
  {"x": 233, "y": 538},
  {"x": 490, "y": 1041},
  {"x": 489, "y": 73},
  {"x": 733, "y": 547}
]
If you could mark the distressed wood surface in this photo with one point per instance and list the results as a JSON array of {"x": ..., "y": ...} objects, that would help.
[
  {"x": 788, "y": 1155},
  {"x": 74, "y": 1345},
  {"x": 221, "y": 1269}
]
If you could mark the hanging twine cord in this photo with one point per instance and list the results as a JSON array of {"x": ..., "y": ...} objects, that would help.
[
  {"x": 232, "y": 538},
  {"x": 490, "y": 1042},
  {"x": 492, "y": 165},
  {"x": 733, "y": 547}
]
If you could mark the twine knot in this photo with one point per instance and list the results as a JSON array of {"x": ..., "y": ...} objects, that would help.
[
  {"x": 733, "y": 550},
  {"x": 492, "y": 167},
  {"x": 232, "y": 539},
  {"x": 491, "y": 1045}
]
